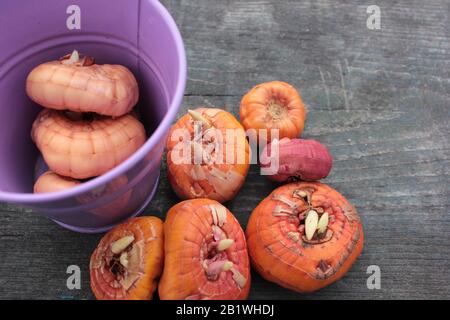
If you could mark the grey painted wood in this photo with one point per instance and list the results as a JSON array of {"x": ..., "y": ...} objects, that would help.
[{"x": 378, "y": 99}]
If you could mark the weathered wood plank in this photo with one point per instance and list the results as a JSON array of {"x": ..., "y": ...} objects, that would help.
[{"x": 378, "y": 99}]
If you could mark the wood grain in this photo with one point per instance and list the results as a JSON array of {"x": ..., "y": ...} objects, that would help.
[{"x": 378, "y": 99}]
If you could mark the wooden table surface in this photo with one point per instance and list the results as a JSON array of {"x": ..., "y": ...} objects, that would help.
[{"x": 379, "y": 99}]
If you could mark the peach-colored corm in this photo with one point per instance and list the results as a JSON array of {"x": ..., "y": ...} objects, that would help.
[
  {"x": 52, "y": 182},
  {"x": 78, "y": 84},
  {"x": 85, "y": 147}
]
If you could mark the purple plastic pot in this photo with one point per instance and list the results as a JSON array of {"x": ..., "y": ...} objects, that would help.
[{"x": 137, "y": 33}]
